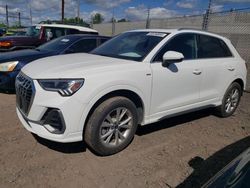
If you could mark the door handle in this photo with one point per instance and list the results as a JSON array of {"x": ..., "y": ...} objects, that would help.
[
  {"x": 197, "y": 72},
  {"x": 231, "y": 68}
]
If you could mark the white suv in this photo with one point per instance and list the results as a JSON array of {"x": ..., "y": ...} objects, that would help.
[{"x": 138, "y": 77}]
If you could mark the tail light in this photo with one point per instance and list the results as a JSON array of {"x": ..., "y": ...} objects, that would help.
[{"x": 5, "y": 43}]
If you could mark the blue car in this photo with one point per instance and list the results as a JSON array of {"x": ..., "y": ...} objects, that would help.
[
  {"x": 12, "y": 62},
  {"x": 235, "y": 175}
]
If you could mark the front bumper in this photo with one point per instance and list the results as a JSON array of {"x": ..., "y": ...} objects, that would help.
[
  {"x": 71, "y": 110},
  {"x": 7, "y": 80}
]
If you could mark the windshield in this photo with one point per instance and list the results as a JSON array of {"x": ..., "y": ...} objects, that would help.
[
  {"x": 33, "y": 31},
  {"x": 58, "y": 44},
  {"x": 131, "y": 45}
]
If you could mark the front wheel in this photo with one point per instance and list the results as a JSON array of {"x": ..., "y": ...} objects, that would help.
[
  {"x": 230, "y": 100},
  {"x": 112, "y": 126}
]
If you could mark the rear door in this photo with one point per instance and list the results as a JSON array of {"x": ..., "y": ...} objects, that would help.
[{"x": 218, "y": 67}]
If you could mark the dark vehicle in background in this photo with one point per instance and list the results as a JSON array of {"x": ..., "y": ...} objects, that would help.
[
  {"x": 39, "y": 34},
  {"x": 2, "y": 31},
  {"x": 15, "y": 33},
  {"x": 12, "y": 62},
  {"x": 235, "y": 175}
]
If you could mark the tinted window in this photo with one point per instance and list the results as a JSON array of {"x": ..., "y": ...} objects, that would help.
[
  {"x": 57, "y": 32},
  {"x": 131, "y": 45},
  {"x": 183, "y": 43},
  {"x": 72, "y": 31},
  {"x": 103, "y": 40},
  {"x": 58, "y": 44},
  {"x": 211, "y": 47},
  {"x": 33, "y": 31},
  {"x": 85, "y": 45}
]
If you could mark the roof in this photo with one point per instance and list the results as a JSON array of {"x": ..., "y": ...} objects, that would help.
[
  {"x": 80, "y": 28},
  {"x": 180, "y": 30},
  {"x": 85, "y": 36},
  {"x": 156, "y": 30}
]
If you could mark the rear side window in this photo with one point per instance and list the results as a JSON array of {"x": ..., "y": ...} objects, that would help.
[
  {"x": 72, "y": 31},
  {"x": 56, "y": 32},
  {"x": 85, "y": 45},
  {"x": 102, "y": 40},
  {"x": 211, "y": 47},
  {"x": 183, "y": 43}
]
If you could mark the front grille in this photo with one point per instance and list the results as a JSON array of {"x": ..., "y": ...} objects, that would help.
[{"x": 24, "y": 92}]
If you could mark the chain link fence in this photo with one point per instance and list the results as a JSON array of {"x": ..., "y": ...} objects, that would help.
[{"x": 234, "y": 25}]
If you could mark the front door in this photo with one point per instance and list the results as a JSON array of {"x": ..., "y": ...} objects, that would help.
[{"x": 176, "y": 87}]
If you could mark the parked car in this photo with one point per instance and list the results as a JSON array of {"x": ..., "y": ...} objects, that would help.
[
  {"x": 2, "y": 31},
  {"x": 39, "y": 34},
  {"x": 12, "y": 62},
  {"x": 10, "y": 32},
  {"x": 236, "y": 174},
  {"x": 138, "y": 77}
]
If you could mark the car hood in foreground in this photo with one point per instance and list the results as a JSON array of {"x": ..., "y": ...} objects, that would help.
[{"x": 73, "y": 66}]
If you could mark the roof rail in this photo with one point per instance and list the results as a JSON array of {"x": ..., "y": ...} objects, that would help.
[{"x": 183, "y": 28}]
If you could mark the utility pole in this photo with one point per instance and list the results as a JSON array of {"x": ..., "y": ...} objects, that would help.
[
  {"x": 7, "y": 16},
  {"x": 206, "y": 16},
  {"x": 19, "y": 19},
  {"x": 78, "y": 12},
  {"x": 148, "y": 20},
  {"x": 62, "y": 11},
  {"x": 31, "y": 22},
  {"x": 113, "y": 22}
]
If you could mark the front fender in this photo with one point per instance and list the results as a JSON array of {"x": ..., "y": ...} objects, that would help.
[{"x": 100, "y": 93}]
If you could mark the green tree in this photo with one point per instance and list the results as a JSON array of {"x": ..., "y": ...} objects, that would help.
[
  {"x": 2, "y": 25},
  {"x": 97, "y": 18}
]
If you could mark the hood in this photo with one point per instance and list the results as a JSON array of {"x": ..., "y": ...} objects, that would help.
[
  {"x": 72, "y": 66},
  {"x": 14, "y": 38},
  {"x": 23, "y": 55}
]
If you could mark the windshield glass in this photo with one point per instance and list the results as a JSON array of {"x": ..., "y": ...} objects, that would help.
[
  {"x": 33, "y": 31},
  {"x": 131, "y": 45},
  {"x": 58, "y": 44}
]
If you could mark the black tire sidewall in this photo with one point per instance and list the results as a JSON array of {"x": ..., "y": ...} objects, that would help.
[
  {"x": 230, "y": 88},
  {"x": 97, "y": 118}
]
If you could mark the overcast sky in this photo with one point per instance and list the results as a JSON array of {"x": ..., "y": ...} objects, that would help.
[{"x": 129, "y": 9}]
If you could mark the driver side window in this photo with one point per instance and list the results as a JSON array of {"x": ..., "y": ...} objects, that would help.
[{"x": 183, "y": 43}]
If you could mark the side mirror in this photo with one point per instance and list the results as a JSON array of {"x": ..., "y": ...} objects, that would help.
[
  {"x": 49, "y": 35},
  {"x": 172, "y": 57}
]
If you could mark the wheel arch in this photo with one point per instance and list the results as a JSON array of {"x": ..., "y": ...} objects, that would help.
[
  {"x": 131, "y": 95},
  {"x": 241, "y": 82}
]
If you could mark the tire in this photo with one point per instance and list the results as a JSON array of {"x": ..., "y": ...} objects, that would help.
[
  {"x": 107, "y": 133},
  {"x": 230, "y": 100}
]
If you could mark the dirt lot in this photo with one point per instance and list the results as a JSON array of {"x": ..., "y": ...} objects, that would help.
[{"x": 183, "y": 151}]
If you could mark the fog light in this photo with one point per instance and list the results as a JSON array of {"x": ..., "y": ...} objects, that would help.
[{"x": 53, "y": 121}]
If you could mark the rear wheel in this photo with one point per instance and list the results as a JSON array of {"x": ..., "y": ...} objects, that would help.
[
  {"x": 111, "y": 126},
  {"x": 230, "y": 100}
]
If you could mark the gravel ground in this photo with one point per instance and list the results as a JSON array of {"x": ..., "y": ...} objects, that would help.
[{"x": 184, "y": 151}]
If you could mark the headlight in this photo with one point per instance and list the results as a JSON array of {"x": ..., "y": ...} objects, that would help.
[
  {"x": 64, "y": 87},
  {"x": 8, "y": 66}
]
